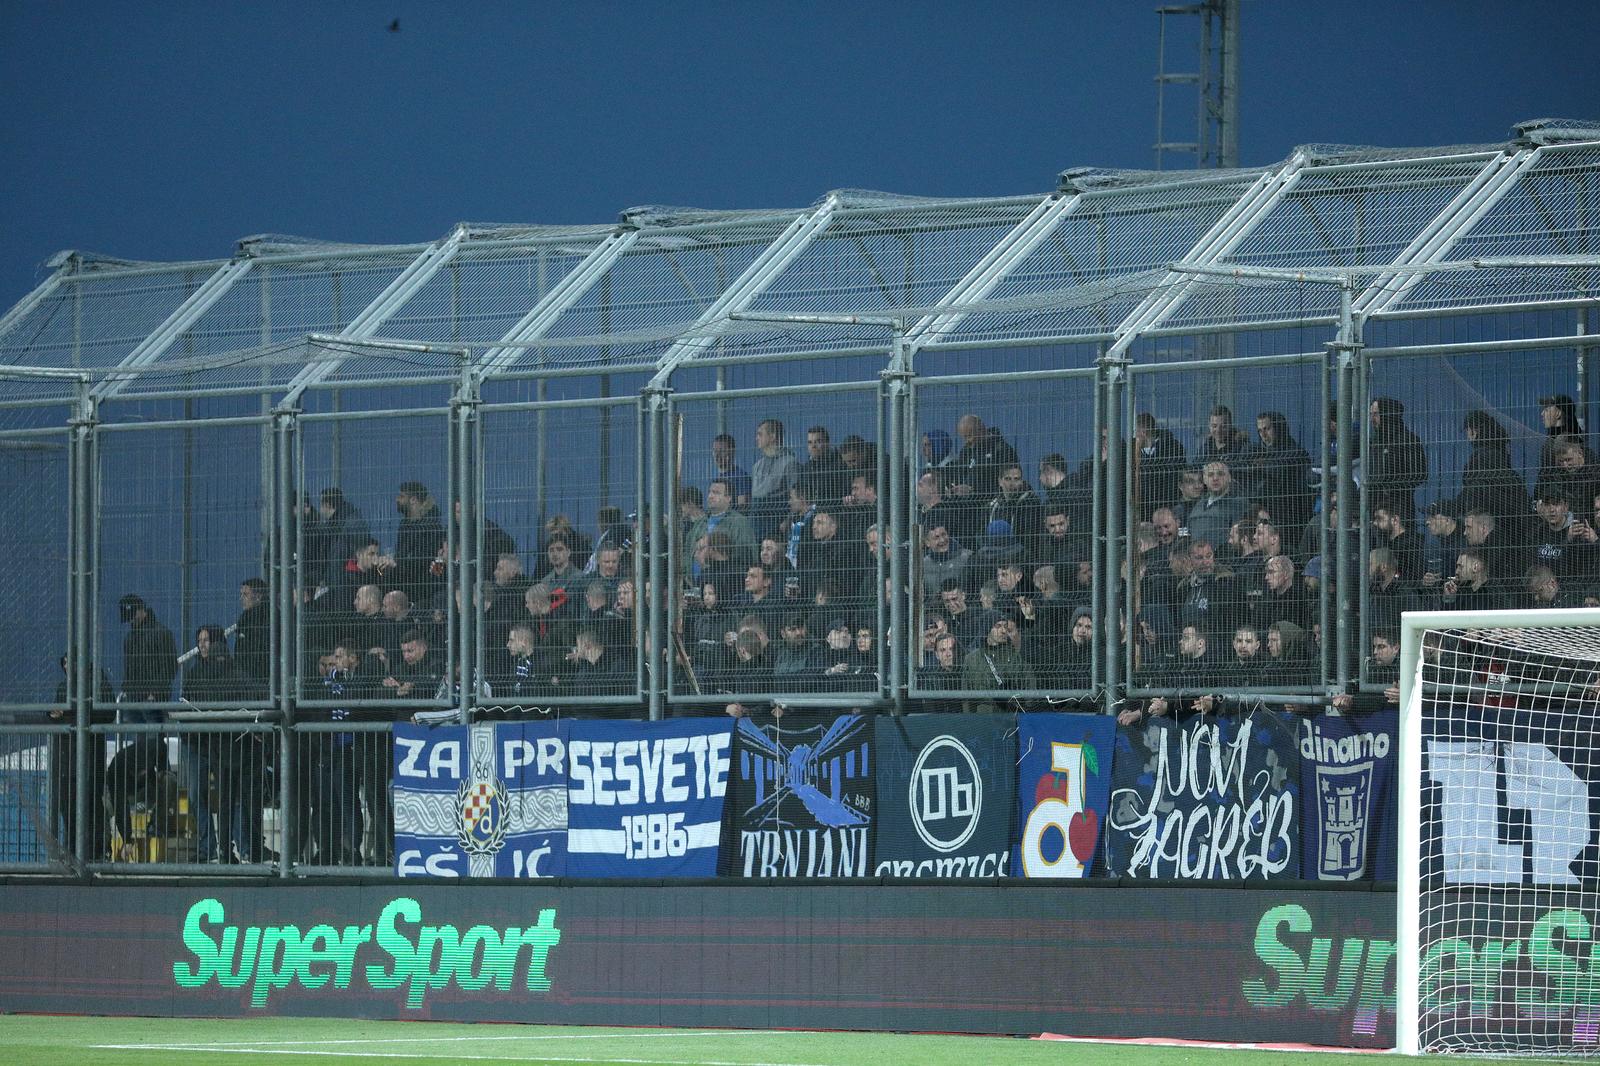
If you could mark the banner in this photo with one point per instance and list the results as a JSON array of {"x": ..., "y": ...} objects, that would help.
[
  {"x": 944, "y": 788},
  {"x": 1347, "y": 783},
  {"x": 1063, "y": 792},
  {"x": 1212, "y": 798},
  {"x": 803, "y": 796},
  {"x": 644, "y": 799},
  {"x": 488, "y": 800}
]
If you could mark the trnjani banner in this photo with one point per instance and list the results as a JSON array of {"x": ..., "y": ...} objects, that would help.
[
  {"x": 1209, "y": 798},
  {"x": 1063, "y": 792},
  {"x": 944, "y": 788},
  {"x": 645, "y": 799},
  {"x": 803, "y": 797},
  {"x": 488, "y": 800},
  {"x": 1347, "y": 780}
]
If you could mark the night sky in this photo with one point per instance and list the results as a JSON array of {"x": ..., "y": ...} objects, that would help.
[{"x": 170, "y": 130}]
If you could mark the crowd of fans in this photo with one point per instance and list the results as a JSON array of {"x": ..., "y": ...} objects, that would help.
[{"x": 778, "y": 590}]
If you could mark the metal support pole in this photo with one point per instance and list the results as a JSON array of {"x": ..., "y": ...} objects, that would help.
[
  {"x": 81, "y": 686},
  {"x": 1330, "y": 456},
  {"x": 468, "y": 541},
  {"x": 1114, "y": 371},
  {"x": 655, "y": 522},
  {"x": 1585, "y": 327},
  {"x": 901, "y": 636},
  {"x": 1344, "y": 349},
  {"x": 284, "y": 504},
  {"x": 1097, "y": 519}
]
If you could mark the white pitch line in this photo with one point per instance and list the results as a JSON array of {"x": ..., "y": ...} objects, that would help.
[
  {"x": 404, "y": 1055},
  {"x": 629, "y": 1034}
]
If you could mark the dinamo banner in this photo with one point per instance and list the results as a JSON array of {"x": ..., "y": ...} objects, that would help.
[
  {"x": 1063, "y": 790},
  {"x": 803, "y": 797}
]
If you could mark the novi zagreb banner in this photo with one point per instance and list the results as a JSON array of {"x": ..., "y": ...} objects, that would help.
[
  {"x": 1349, "y": 810},
  {"x": 1063, "y": 790},
  {"x": 482, "y": 801},
  {"x": 944, "y": 788},
  {"x": 803, "y": 797},
  {"x": 1212, "y": 798},
  {"x": 645, "y": 799}
]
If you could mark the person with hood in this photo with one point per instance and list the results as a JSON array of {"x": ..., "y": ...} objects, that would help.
[
  {"x": 1396, "y": 466},
  {"x": 1071, "y": 662},
  {"x": 1281, "y": 472},
  {"x": 1286, "y": 656},
  {"x": 1560, "y": 417},
  {"x": 1489, "y": 482},
  {"x": 996, "y": 665},
  {"x": 943, "y": 559}
]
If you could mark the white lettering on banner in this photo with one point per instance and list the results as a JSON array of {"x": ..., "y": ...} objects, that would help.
[
  {"x": 444, "y": 758},
  {"x": 1221, "y": 840},
  {"x": 546, "y": 757},
  {"x": 438, "y": 864},
  {"x": 627, "y": 772},
  {"x": 1536, "y": 781},
  {"x": 622, "y": 841},
  {"x": 991, "y": 865},
  {"x": 813, "y": 852}
]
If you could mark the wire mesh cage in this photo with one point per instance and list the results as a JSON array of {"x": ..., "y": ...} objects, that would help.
[
  {"x": 777, "y": 557},
  {"x": 561, "y": 552},
  {"x": 1003, "y": 545}
]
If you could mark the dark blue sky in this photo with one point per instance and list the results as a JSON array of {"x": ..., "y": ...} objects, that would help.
[{"x": 169, "y": 130}]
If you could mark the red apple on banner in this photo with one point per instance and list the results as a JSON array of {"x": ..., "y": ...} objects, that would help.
[
  {"x": 1052, "y": 786},
  {"x": 1083, "y": 833}
]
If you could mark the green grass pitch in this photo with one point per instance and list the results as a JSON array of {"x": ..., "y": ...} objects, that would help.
[{"x": 58, "y": 1041}]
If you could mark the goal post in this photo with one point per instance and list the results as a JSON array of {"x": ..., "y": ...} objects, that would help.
[{"x": 1498, "y": 913}]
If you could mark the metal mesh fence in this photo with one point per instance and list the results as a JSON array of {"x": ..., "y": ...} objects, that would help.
[
  {"x": 776, "y": 564},
  {"x": 1003, "y": 553},
  {"x": 559, "y": 613},
  {"x": 341, "y": 790},
  {"x": 1225, "y": 534},
  {"x": 182, "y": 536},
  {"x": 281, "y": 448},
  {"x": 375, "y": 574},
  {"x": 34, "y": 591}
]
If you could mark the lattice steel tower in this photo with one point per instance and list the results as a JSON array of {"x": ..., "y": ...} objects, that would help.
[{"x": 1216, "y": 84}]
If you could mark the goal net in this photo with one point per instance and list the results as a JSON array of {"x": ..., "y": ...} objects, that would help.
[{"x": 1499, "y": 905}]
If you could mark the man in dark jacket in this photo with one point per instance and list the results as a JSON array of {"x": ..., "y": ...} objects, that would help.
[
  {"x": 1281, "y": 473},
  {"x": 252, "y": 633},
  {"x": 1397, "y": 465},
  {"x": 419, "y": 542},
  {"x": 149, "y": 659}
]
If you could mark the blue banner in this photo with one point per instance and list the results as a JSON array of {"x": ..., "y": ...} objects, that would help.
[
  {"x": 1211, "y": 798},
  {"x": 944, "y": 788},
  {"x": 484, "y": 801},
  {"x": 804, "y": 797},
  {"x": 1346, "y": 779},
  {"x": 1063, "y": 791},
  {"x": 644, "y": 799}
]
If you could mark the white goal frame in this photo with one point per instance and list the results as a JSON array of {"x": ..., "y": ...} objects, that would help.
[{"x": 1408, "y": 949}]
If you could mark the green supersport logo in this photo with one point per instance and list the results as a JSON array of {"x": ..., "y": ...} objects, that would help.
[
  {"x": 1555, "y": 968},
  {"x": 1362, "y": 972},
  {"x": 432, "y": 956}
]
